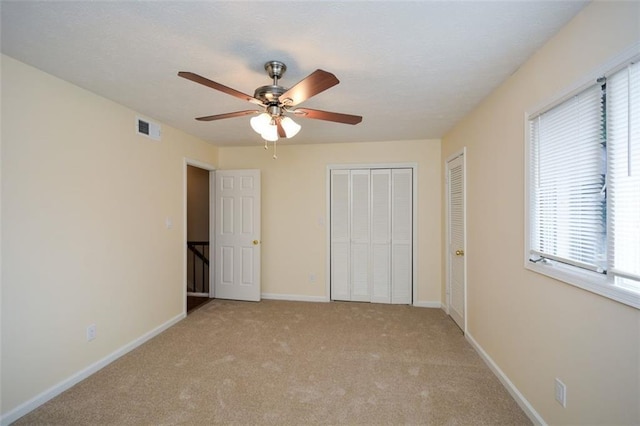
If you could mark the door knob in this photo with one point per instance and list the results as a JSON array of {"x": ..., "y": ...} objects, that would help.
[
  {"x": 459, "y": 252},
  {"x": 256, "y": 242}
]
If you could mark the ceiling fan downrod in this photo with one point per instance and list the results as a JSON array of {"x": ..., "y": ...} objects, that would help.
[{"x": 275, "y": 70}]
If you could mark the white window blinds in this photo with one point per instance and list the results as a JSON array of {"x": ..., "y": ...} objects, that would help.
[
  {"x": 584, "y": 187},
  {"x": 623, "y": 179},
  {"x": 567, "y": 182}
]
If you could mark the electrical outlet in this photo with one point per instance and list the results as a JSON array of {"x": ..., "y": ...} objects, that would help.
[
  {"x": 561, "y": 393},
  {"x": 312, "y": 278},
  {"x": 91, "y": 332}
]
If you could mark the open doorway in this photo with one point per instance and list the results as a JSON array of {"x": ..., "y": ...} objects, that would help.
[{"x": 198, "y": 257}]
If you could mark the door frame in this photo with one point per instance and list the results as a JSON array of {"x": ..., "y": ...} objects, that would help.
[
  {"x": 212, "y": 176},
  {"x": 414, "y": 237},
  {"x": 447, "y": 246}
]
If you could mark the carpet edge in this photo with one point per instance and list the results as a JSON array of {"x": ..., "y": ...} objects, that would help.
[
  {"x": 524, "y": 404},
  {"x": 30, "y": 405}
]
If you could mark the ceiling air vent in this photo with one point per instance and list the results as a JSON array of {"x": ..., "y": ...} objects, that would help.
[{"x": 148, "y": 128}]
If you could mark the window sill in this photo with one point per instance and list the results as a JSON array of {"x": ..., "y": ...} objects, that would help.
[{"x": 586, "y": 280}]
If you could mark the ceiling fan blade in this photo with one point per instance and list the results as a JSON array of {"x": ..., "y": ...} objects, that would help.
[
  {"x": 227, "y": 115},
  {"x": 328, "y": 116},
  {"x": 221, "y": 87},
  {"x": 316, "y": 82},
  {"x": 281, "y": 132}
]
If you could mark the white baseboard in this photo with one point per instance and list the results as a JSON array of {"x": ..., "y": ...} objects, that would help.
[
  {"x": 427, "y": 304},
  {"x": 300, "y": 298},
  {"x": 293, "y": 297},
  {"x": 69, "y": 382},
  {"x": 528, "y": 409}
]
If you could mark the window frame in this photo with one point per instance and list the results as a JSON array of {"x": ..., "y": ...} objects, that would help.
[{"x": 601, "y": 284}]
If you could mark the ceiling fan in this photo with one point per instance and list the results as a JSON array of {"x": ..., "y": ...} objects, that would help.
[{"x": 276, "y": 101}]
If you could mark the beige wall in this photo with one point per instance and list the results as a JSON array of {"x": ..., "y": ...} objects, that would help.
[
  {"x": 533, "y": 327},
  {"x": 294, "y": 208},
  {"x": 84, "y": 204}
]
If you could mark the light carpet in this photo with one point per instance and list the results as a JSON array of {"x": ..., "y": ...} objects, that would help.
[{"x": 293, "y": 363}]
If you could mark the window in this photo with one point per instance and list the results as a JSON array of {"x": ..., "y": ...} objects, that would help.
[{"x": 584, "y": 188}]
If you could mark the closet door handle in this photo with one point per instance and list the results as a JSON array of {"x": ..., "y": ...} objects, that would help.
[{"x": 459, "y": 252}]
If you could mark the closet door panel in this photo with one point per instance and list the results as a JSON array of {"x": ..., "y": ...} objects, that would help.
[
  {"x": 360, "y": 273},
  {"x": 381, "y": 235},
  {"x": 340, "y": 235},
  {"x": 360, "y": 235},
  {"x": 381, "y": 274},
  {"x": 402, "y": 274},
  {"x": 401, "y": 235}
]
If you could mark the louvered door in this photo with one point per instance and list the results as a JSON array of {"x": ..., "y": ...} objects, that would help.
[
  {"x": 456, "y": 239},
  {"x": 360, "y": 235},
  {"x": 401, "y": 235},
  {"x": 340, "y": 235},
  {"x": 381, "y": 235},
  {"x": 371, "y": 235}
]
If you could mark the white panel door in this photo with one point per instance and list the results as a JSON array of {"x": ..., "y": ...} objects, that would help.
[
  {"x": 401, "y": 235},
  {"x": 381, "y": 235},
  {"x": 456, "y": 239},
  {"x": 340, "y": 235},
  {"x": 237, "y": 235},
  {"x": 360, "y": 236}
]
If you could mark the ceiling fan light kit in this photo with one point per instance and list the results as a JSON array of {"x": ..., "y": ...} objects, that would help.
[
  {"x": 270, "y": 133},
  {"x": 260, "y": 122},
  {"x": 291, "y": 128},
  {"x": 272, "y": 123}
]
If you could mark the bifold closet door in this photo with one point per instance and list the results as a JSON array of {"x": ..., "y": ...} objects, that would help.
[
  {"x": 401, "y": 235},
  {"x": 381, "y": 236},
  {"x": 359, "y": 225},
  {"x": 371, "y": 235},
  {"x": 340, "y": 235}
]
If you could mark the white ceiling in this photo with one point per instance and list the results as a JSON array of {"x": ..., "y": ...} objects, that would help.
[{"x": 411, "y": 69}]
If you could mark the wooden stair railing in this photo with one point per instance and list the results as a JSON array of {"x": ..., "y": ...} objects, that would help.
[{"x": 200, "y": 263}]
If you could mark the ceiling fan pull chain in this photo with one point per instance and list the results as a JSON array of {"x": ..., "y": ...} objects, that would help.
[
  {"x": 265, "y": 144},
  {"x": 275, "y": 150}
]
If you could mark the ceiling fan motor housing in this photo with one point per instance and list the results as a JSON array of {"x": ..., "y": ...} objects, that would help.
[{"x": 269, "y": 94}]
